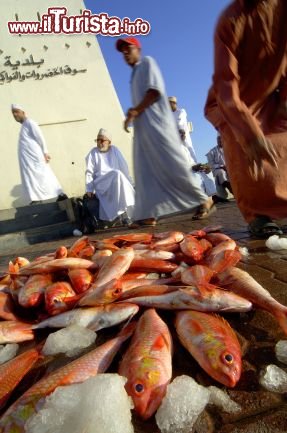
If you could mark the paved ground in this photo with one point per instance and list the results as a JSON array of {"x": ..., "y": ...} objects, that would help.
[{"x": 263, "y": 412}]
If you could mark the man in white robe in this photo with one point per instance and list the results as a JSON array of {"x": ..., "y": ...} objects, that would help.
[
  {"x": 38, "y": 180},
  {"x": 180, "y": 117},
  {"x": 216, "y": 161},
  {"x": 206, "y": 178},
  {"x": 107, "y": 176},
  {"x": 164, "y": 180}
]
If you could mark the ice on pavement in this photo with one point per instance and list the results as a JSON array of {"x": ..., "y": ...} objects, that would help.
[
  {"x": 275, "y": 243},
  {"x": 7, "y": 352},
  {"x": 71, "y": 341},
  {"x": 184, "y": 401},
  {"x": 244, "y": 251},
  {"x": 99, "y": 405},
  {"x": 273, "y": 379},
  {"x": 281, "y": 351},
  {"x": 221, "y": 399}
]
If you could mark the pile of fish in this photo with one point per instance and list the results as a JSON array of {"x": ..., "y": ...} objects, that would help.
[{"x": 103, "y": 283}]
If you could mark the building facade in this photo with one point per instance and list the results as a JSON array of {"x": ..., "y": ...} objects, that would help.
[{"x": 63, "y": 83}]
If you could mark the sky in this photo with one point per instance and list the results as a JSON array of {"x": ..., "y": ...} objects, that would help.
[{"x": 181, "y": 41}]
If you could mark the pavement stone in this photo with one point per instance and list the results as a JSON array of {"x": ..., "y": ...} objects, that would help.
[{"x": 258, "y": 331}]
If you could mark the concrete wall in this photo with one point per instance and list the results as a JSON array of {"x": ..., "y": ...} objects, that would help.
[{"x": 70, "y": 109}]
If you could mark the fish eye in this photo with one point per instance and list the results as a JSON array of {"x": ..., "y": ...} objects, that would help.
[
  {"x": 228, "y": 358},
  {"x": 139, "y": 388},
  {"x": 117, "y": 291}
]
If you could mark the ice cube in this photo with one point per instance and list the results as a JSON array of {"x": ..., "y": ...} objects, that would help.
[
  {"x": 7, "y": 352},
  {"x": 71, "y": 341},
  {"x": 281, "y": 351},
  {"x": 99, "y": 405},
  {"x": 244, "y": 251},
  {"x": 275, "y": 243},
  {"x": 152, "y": 276},
  {"x": 184, "y": 402},
  {"x": 273, "y": 379},
  {"x": 221, "y": 399}
]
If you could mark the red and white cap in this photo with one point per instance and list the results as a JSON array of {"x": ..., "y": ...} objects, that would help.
[{"x": 130, "y": 41}]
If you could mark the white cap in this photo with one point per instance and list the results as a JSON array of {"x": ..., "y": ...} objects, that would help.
[
  {"x": 16, "y": 107},
  {"x": 104, "y": 133}
]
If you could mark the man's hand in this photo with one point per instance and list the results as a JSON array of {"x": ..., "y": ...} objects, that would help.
[
  {"x": 259, "y": 150},
  {"x": 47, "y": 157},
  {"x": 130, "y": 117}
]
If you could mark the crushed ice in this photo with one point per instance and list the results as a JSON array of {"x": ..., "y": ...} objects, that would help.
[
  {"x": 71, "y": 341},
  {"x": 7, "y": 352},
  {"x": 273, "y": 379},
  {"x": 281, "y": 351},
  {"x": 99, "y": 405},
  {"x": 184, "y": 401},
  {"x": 275, "y": 243}
]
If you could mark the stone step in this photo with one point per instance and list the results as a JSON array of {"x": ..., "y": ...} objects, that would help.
[
  {"x": 32, "y": 221},
  {"x": 13, "y": 242},
  {"x": 35, "y": 209}
]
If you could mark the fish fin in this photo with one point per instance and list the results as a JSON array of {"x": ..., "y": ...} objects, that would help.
[
  {"x": 197, "y": 327},
  {"x": 159, "y": 343},
  {"x": 205, "y": 288}
]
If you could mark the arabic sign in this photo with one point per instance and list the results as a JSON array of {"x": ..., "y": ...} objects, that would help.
[{"x": 16, "y": 75}]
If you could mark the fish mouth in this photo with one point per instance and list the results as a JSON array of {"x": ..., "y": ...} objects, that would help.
[
  {"x": 148, "y": 410},
  {"x": 231, "y": 380}
]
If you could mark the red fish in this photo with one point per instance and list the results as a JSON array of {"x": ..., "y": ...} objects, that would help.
[
  {"x": 104, "y": 294},
  {"x": 61, "y": 253},
  {"x": 15, "y": 332},
  {"x": 12, "y": 372},
  {"x": 116, "y": 266},
  {"x": 206, "y": 245},
  {"x": 78, "y": 246},
  {"x": 168, "y": 238},
  {"x": 135, "y": 237},
  {"x": 212, "y": 342},
  {"x": 87, "y": 252},
  {"x": 6, "y": 307},
  {"x": 55, "y": 265},
  {"x": 32, "y": 293},
  {"x": 198, "y": 276},
  {"x": 81, "y": 279},
  {"x": 217, "y": 238},
  {"x": 192, "y": 248},
  {"x": 147, "y": 364},
  {"x": 190, "y": 298},
  {"x": 243, "y": 284},
  {"x": 56, "y": 295},
  {"x": 152, "y": 265}
]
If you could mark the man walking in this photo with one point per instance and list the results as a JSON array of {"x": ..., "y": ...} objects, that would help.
[
  {"x": 164, "y": 181},
  {"x": 38, "y": 180}
]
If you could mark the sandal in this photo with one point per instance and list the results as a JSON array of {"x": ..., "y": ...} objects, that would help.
[
  {"x": 149, "y": 222},
  {"x": 204, "y": 212},
  {"x": 263, "y": 227}
]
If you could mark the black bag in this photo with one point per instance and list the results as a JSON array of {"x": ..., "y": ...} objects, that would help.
[{"x": 87, "y": 213}]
